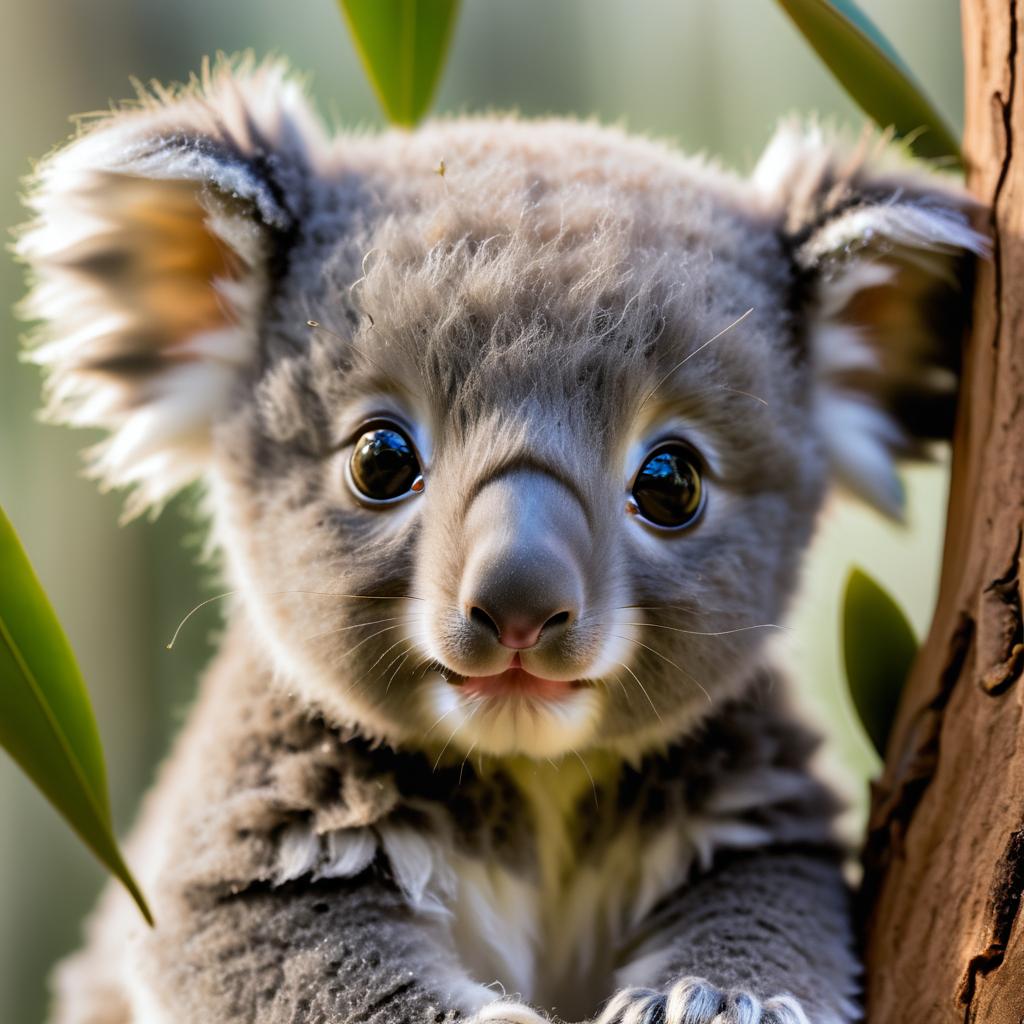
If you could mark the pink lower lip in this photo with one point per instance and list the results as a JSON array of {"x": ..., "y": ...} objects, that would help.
[{"x": 517, "y": 682}]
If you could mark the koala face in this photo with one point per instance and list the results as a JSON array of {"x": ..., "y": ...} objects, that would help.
[
  {"x": 520, "y": 457},
  {"x": 511, "y": 430}
]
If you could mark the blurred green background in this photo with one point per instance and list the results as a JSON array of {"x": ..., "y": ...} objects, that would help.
[{"x": 712, "y": 74}]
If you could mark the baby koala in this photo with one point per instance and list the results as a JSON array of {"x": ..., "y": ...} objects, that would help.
[{"x": 513, "y": 434}]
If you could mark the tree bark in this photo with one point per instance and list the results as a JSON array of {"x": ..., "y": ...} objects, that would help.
[{"x": 944, "y": 861}]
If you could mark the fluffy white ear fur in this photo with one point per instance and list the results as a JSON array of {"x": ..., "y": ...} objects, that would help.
[
  {"x": 148, "y": 250},
  {"x": 879, "y": 245}
]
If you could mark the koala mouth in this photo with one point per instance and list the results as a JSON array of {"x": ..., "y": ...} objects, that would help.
[
  {"x": 515, "y": 711},
  {"x": 516, "y": 681}
]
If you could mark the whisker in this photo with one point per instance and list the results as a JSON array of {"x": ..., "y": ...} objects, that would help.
[
  {"x": 643, "y": 688},
  {"x": 696, "y": 351},
  {"x": 667, "y": 608},
  {"x": 451, "y": 736},
  {"x": 462, "y": 766},
  {"x": 381, "y": 656},
  {"x": 425, "y": 664},
  {"x": 356, "y": 625},
  {"x": 746, "y": 394},
  {"x": 626, "y": 691},
  {"x": 202, "y": 604},
  {"x": 412, "y": 643},
  {"x": 355, "y": 682},
  {"x": 283, "y": 593},
  {"x": 669, "y": 661},
  {"x": 367, "y": 639},
  {"x": 438, "y": 721},
  {"x": 715, "y": 388},
  {"x": 397, "y": 669},
  {"x": 586, "y": 768},
  {"x": 697, "y": 632}
]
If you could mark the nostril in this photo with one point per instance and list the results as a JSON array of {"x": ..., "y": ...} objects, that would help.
[
  {"x": 558, "y": 619},
  {"x": 481, "y": 618},
  {"x": 517, "y": 631}
]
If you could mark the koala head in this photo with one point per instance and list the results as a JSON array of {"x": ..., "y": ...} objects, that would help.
[{"x": 514, "y": 432}]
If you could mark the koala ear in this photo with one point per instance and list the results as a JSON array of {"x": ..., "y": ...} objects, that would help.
[
  {"x": 882, "y": 251},
  {"x": 156, "y": 233}
]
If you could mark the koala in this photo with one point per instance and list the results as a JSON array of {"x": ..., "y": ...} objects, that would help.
[{"x": 512, "y": 435}]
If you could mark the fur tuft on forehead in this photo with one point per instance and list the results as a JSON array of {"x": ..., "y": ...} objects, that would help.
[
  {"x": 532, "y": 314},
  {"x": 150, "y": 251},
  {"x": 555, "y": 263}
]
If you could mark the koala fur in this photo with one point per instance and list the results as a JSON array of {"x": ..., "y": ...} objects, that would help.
[{"x": 353, "y": 825}]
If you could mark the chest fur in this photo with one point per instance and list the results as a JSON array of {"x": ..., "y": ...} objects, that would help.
[
  {"x": 555, "y": 929},
  {"x": 540, "y": 878}
]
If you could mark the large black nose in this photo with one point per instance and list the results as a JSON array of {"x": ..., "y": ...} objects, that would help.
[
  {"x": 526, "y": 539},
  {"x": 518, "y": 623}
]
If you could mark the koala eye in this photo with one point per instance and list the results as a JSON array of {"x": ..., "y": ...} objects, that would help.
[
  {"x": 667, "y": 491},
  {"x": 384, "y": 467}
]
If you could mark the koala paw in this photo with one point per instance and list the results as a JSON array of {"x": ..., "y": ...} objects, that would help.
[
  {"x": 504, "y": 1011},
  {"x": 695, "y": 1001}
]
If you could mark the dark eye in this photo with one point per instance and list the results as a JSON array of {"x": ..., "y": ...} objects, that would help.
[
  {"x": 384, "y": 466},
  {"x": 667, "y": 491}
]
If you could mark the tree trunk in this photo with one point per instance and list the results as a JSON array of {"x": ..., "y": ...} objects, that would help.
[{"x": 944, "y": 862}]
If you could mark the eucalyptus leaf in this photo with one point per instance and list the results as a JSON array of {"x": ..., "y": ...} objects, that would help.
[
  {"x": 402, "y": 44},
  {"x": 46, "y": 721},
  {"x": 869, "y": 69},
  {"x": 879, "y": 647}
]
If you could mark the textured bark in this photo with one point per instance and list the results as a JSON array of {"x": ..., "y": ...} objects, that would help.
[{"x": 945, "y": 853}]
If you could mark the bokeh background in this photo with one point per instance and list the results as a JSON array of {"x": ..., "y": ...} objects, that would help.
[{"x": 712, "y": 74}]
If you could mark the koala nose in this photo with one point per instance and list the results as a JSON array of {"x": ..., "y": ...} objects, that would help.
[
  {"x": 516, "y": 630},
  {"x": 523, "y": 576}
]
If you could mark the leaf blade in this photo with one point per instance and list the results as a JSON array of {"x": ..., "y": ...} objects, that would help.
[
  {"x": 46, "y": 721},
  {"x": 872, "y": 72},
  {"x": 402, "y": 44},
  {"x": 879, "y": 648}
]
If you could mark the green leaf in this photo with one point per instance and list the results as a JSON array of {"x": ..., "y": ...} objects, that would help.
[
  {"x": 878, "y": 649},
  {"x": 871, "y": 71},
  {"x": 46, "y": 722},
  {"x": 402, "y": 44}
]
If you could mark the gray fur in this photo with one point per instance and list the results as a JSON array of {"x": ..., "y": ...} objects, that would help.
[
  {"x": 343, "y": 834},
  {"x": 233, "y": 943}
]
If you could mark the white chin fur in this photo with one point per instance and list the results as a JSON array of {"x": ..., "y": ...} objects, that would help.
[{"x": 519, "y": 725}]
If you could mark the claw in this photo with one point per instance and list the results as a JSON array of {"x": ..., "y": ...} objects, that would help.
[
  {"x": 696, "y": 1001},
  {"x": 505, "y": 1012}
]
